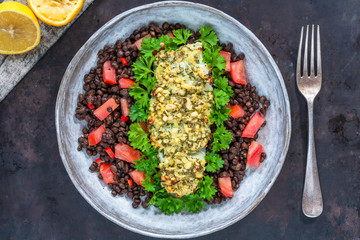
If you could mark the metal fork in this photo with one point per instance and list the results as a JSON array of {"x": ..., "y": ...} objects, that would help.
[{"x": 309, "y": 85}]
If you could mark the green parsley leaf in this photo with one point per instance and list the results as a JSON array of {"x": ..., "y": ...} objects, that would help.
[
  {"x": 218, "y": 116},
  {"x": 193, "y": 203},
  {"x": 142, "y": 67},
  {"x": 166, "y": 202},
  {"x": 222, "y": 138},
  {"x": 205, "y": 188},
  {"x": 213, "y": 58},
  {"x": 217, "y": 73},
  {"x": 221, "y": 98},
  {"x": 208, "y": 37},
  {"x": 214, "y": 162},
  {"x": 169, "y": 205},
  {"x": 181, "y": 36},
  {"x": 139, "y": 139},
  {"x": 148, "y": 162},
  {"x": 141, "y": 96},
  {"x": 138, "y": 114},
  {"x": 222, "y": 83},
  {"x": 151, "y": 184},
  {"x": 149, "y": 45},
  {"x": 167, "y": 42},
  {"x": 148, "y": 82}
]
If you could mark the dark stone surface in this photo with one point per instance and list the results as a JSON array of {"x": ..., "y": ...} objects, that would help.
[{"x": 38, "y": 200}]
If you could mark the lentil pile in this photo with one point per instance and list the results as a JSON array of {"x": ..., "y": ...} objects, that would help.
[{"x": 97, "y": 92}]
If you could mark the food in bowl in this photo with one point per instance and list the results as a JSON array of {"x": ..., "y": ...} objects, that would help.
[
  {"x": 173, "y": 118},
  {"x": 179, "y": 116}
]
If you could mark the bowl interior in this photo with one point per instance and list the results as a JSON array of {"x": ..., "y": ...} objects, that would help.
[{"x": 262, "y": 72}]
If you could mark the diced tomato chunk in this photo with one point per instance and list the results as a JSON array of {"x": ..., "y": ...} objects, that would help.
[
  {"x": 96, "y": 135},
  {"x": 107, "y": 174},
  {"x": 109, "y": 73},
  {"x": 227, "y": 57},
  {"x": 104, "y": 110},
  {"x": 143, "y": 126},
  {"x": 109, "y": 152},
  {"x": 237, "y": 72},
  {"x": 126, "y": 153},
  {"x": 126, "y": 82},
  {"x": 125, "y": 119},
  {"x": 137, "y": 176},
  {"x": 123, "y": 60},
  {"x": 124, "y": 107},
  {"x": 237, "y": 112},
  {"x": 225, "y": 186},
  {"x": 253, "y": 125},
  {"x": 130, "y": 182},
  {"x": 170, "y": 34},
  {"x": 138, "y": 42},
  {"x": 98, "y": 160},
  {"x": 254, "y": 154},
  {"x": 91, "y": 106}
]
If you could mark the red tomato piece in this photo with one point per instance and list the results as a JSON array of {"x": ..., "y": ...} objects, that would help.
[
  {"x": 126, "y": 153},
  {"x": 137, "y": 176},
  {"x": 107, "y": 174},
  {"x": 143, "y": 126},
  {"x": 109, "y": 152},
  {"x": 124, "y": 119},
  {"x": 253, "y": 126},
  {"x": 126, "y": 82},
  {"x": 227, "y": 57},
  {"x": 130, "y": 182},
  {"x": 225, "y": 186},
  {"x": 104, "y": 110},
  {"x": 237, "y": 72},
  {"x": 123, "y": 60},
  {"x": 170, "y": 34},
  {"x": 237, "y": 112},
  {"x": 109, "y": 73},
  {"x": 98, "y": 160},
  {"x": 254, "y": 154},
  {"x": 91, "y": 106},
  {"x": 96, "y": 135},
  {"x": 138, "y": 42},
  {"x": 124, "y": 107}
]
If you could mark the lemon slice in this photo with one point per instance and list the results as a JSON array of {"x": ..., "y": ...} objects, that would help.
[
  {"x": 19, "y": 28},
  {"x": 56, "y": 12}
]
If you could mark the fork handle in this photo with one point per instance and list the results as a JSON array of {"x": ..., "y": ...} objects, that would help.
[{"x": 312, "y": 203}]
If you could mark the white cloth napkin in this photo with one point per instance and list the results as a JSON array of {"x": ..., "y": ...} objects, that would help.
[{"x": 14, "y": 67}]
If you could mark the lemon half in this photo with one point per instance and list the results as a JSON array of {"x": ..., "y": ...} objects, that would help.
[
  {"x": 19, "y": 28},
  {"x": 56, "y": 12}
]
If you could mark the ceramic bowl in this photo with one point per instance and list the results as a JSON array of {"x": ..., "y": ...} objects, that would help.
[{"x": 261, "y": 71}]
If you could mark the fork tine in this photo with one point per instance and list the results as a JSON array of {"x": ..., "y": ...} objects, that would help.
[
  {"x": 312, "y": 71},
  {"x": 305, "y": 68},
  {"x": 318, "y": 58},
  {"x": 298, "y": 65}
]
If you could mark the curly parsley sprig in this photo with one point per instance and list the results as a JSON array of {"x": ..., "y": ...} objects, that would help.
[
  {"x": 139, "y": 139},
  {"x": 222, "y": 94},
  {"x": 194, "y": 203},
  {"x": 214, "y": 162}
]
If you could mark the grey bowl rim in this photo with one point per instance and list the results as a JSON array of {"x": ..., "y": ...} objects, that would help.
[{"x": 77, "y": 57}]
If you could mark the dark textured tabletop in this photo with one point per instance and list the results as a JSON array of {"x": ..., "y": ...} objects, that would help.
[{"x": 38, "y": 200}]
